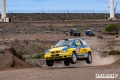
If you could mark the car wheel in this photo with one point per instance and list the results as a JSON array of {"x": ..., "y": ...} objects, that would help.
[
  {"x": 89, "y": 59},
  {"x": 74, "y": 58},
  {"x": 72, "y": 34},
  {"x": 66, "y": 63},
  {"x": 49, "y": 62},
  {"x": 90, "y": 35}
]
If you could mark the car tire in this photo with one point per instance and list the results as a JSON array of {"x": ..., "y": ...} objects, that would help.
[
  {"x": 90, "y": 35},
  {"x": 74, "y": 58},
  {"x": 70, "y": 34},
  {"x": 66, "y": 63},
  {"x": 74, "y": 35},
  {"x": 89, "y": 59},
  {"x": 49, "y": 62}
]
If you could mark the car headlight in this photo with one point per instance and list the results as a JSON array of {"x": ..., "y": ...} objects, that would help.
[
  {"x": 47, "y": 52},
  {"x": 65, "y": 50}
]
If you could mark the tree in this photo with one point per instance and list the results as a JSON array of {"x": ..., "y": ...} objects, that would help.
[{"x": 112, "y": 28}]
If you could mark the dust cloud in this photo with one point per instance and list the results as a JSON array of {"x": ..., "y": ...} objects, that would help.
[{"x": 98, "y": 59}]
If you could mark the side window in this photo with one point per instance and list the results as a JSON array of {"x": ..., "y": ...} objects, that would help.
[
  {"x": 72, "y": 43},
  {"x": 78, "y": 41},
  {"x": 84, "y": 43}
]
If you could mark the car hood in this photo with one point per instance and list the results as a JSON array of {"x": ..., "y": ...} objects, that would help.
[{"x": 58, "y": 48}]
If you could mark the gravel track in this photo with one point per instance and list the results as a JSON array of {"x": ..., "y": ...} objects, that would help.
[{"x": 57, "y": 73}]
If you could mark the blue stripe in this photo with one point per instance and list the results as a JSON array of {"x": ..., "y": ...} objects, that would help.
[{"x": 82, "y": 54}]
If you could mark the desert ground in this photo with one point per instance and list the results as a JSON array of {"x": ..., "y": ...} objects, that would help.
[{"x": 23, "y": 45}]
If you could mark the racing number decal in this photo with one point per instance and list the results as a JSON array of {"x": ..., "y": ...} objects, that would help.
[{"x": 77, "y": 49}]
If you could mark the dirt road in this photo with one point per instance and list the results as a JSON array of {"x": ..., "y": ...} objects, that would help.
[
  {"x": 58, "y": 73},
  {"x": 79, "y": 71}
]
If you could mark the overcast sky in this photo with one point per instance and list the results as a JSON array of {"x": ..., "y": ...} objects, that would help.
[{"x": 59, "y": 5}]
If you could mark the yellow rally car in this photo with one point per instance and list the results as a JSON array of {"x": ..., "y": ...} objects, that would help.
[{"x": 69, "y": 51}]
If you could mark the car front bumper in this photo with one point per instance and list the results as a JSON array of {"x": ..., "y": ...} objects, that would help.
[{"x": 61, "y": 56}]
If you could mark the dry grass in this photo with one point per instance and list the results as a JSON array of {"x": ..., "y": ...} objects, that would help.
[{"x": 114, "y": 52}]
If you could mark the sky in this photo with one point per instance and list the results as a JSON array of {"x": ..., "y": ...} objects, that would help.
[{"x": 59, "y": 5}]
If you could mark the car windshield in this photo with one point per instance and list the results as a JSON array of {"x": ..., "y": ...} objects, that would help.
[
  {"x": 64, "y": 43},
  {"x": 75, "y": 30},
  {"x": 90, "y": 32}
]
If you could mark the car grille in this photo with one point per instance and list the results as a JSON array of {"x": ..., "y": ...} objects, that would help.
[
  {"x": 55, "y": 52},
  {"x": 55, "y": 56},
  {"x": 52, "y": 52}
]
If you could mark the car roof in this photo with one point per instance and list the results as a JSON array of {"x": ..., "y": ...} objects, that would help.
[
  {"x": 80, "y": 38},
  {"x": 74, "y": 28},
  {"x": 74, "y": 38},
  {"x": 88, "y": 30}
]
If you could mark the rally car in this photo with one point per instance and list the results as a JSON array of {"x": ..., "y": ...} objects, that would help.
[{"x": 69, "y": 51}]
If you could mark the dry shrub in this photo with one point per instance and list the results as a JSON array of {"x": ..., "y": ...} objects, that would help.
[{"x": 114, "y": 52}]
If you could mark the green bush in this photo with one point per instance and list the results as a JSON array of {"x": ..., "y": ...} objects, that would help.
[
  {"x": 112, "y": 28},
  {"x": 39, "y": 56},
  {"x": 33, "y": 56},
  {"x": 114, "y": 52}
]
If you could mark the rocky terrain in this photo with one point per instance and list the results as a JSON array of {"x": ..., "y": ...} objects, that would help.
[
  {"x": 30, "y": 40},
  {"x": 35, "y": 17},
  {"x": 24, "y": 41}
]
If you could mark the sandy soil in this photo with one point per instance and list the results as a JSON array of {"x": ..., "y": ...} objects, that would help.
[
  {"x": 57, "y": 73},
  {"x": 102, "y": 63},
  {"x": 81, "y": 70}
]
